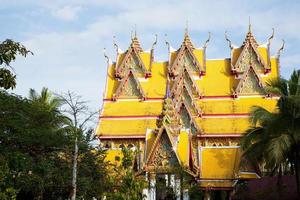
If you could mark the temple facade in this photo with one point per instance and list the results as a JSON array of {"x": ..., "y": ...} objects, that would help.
[{"x": 188, "y": 112}]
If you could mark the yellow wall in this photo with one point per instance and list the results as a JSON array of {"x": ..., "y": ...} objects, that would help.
[{"x": 219, "y": 163}]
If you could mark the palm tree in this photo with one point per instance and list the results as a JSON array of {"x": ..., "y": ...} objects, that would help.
[
  {"x": 274, "y": 138},
  {"x": 50, "y": 103},
  {"x": 46, "y": 99}
]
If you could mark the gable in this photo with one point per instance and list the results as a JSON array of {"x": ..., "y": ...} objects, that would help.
[
  {"x": 248, "y": 57},
  {"x": 131, "y": 61},
  {"x": 187, "y": 119},
  {"x": 185, "y": 59},
  {"x": 250, "y": 84},
  {"x": 129, "y": 88},
  {"x": 163, "y": 155}
]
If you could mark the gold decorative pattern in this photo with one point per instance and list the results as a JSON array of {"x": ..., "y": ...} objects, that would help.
[
  {"x": 185, "y": 56},
  {"x": 129, "y": 88},
  {"x": 219, "y": 142},
  {"x": 164, "y": 155},
  {"x": 131, "y": 61},
  {"x": 249, "y": 56},
  {"x": 250, "y": 83}
]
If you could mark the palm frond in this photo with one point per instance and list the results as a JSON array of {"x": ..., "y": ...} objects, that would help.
[
  {"x": 32, "y": 94},
  {"x": 277, "y": 149},
  {"x": 294, "y": 87},
  {"x": 260, "y": 115},
  {"x": 277, "y": 87},
  {"x": 290, "y": 105},
  {"x": 251, "y": 136}
]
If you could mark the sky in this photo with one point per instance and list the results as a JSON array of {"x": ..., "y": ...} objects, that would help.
[{"x": 67, "y": 37}]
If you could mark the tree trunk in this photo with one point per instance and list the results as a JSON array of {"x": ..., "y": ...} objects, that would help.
[
  {"x": 297, "y": 171},
  {"x": 279, "y": 182},
  {"x": 74, "y": 173}
]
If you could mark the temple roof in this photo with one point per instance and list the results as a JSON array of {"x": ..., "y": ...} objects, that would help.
[
  {"x": 261, "y": 52},
  {"x": 216, "y": 102},
  {"x": 173, "y": 105}
]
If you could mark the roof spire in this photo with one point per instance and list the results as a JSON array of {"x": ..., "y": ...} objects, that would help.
[
  {"x": 249, "y": 26},
  {"x": 134, "y": 30},
  {"x": 108, "y": 60},
  {"x": 155, "y": 42},
  {"x": 116, "y": 45},
  {"x": 280, "y": 49},
  {"x": 207, "y": 41},
  {"x": 228, "y": 40},
  {"x": 186, "y": 32},
  {"x": 271, "y": 37}
]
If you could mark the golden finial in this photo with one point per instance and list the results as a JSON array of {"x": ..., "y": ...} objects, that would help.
[
  {"x": 186, "y": 32},
  {"x": 271, "y": 37},
  {"x": 114, "y": 43},
  {"x": 280, "y": 49},
  {"x": 105, "y": 56},
  {"x": 207, "y": 41},
  {"x": 166, "y": 41},
  {"x": 155, "y": 41},
  {"x": 249, "y": 26},
  {"x": 229, "y": 41}
]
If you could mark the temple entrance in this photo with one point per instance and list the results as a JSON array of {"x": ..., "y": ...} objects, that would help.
[{"x": 164, "y": 187}]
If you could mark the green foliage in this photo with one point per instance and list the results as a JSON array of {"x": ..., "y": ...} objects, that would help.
[
  {"x": 126, "y": 184},
  {"x": 36, "y": 151},
  {"x": 7, "y": 79},
  {"x": 274, "y": 138},
  {"x": 127, "y": 160},
  {"x": 9, "y": 50},
  {"x": 195, "y": 192}
]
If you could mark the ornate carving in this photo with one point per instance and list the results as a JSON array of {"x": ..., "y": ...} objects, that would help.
[
  {"x": 249, "y": 56},
  {"x": 129, "y": 88},
  {"x": 184, "y": 92},
  {"x": 250, "y": 83},
  {"x": 169, "y": 117},
  {"x": 131, "y": 61},
  {"x": 185, "y": 56},
  {"x": 219, "y": 142},
  {"x": 164, "y": 155}
]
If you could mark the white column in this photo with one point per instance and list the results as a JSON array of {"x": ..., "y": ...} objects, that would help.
[
  {"x": 172, "y": 181},
  {"x": 167, "y": 180},
  {"x": 146, "y": 194},
  {"x": 152, "y": 193},
  {"x": 186, "y": 194},
  {"x": 177, "y": 189}
]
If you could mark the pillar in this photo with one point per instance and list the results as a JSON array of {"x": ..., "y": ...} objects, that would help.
[{"x": 152, "y": 190}]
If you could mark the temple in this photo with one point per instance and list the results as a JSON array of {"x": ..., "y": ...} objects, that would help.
[{"x": 188, "y": 112}]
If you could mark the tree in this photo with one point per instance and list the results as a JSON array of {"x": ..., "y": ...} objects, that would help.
[
  {"x": 31, "y": 142},
  {"x": 36, "y": 146},
  {"x": 274, "y": 138},
  {"x": 126, "y": 185},
  {"x": 9, "y": 50},
  {"x": 78, "y": 112}
]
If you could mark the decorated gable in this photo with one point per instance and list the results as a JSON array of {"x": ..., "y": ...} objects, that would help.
[
  {"x": 250, "y": 84},
  {"x": 250, "y": 53},
  {"x": 129, "y": 88},
  {"x": 131, "y": 60},
  {"x": 186, "y": 58},
  {"x": 163, "y": 154},
  {"x": 248, "y": 57}
]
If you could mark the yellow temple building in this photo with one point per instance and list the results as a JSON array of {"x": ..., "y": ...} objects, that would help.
[{"x": 187, "y": 112}]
